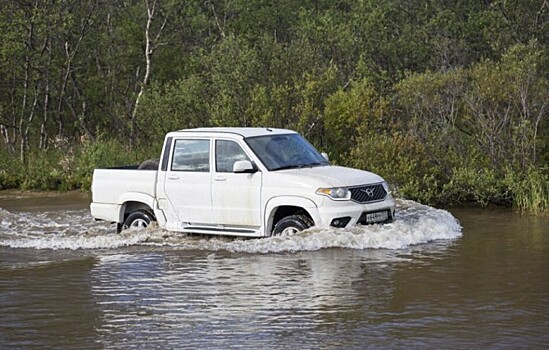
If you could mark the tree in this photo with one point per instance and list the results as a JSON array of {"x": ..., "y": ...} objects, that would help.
[{"x": 152, "y": 43}]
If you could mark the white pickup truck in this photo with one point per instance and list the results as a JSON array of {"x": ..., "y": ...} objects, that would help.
[{"x": 253, "y": 182}]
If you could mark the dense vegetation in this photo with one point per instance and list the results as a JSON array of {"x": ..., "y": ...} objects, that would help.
[{"x": 448, "y": 100}]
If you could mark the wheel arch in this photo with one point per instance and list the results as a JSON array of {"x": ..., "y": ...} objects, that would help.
[
  {"x": 280, "y": 207},
  {"x": 135, "y": 201},
  {"x": 132, "y": 206}
]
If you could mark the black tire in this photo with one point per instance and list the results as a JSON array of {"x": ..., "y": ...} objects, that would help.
[
  {"x": 149, "y": 164},
  {"x": 291, "y": 225},
  {"x": 139, "y": 219}
]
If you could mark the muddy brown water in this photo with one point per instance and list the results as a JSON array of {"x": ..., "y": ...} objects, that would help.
[{"x": 467, "y": 278}]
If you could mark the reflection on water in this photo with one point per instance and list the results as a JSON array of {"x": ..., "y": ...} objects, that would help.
[
  {"x": 224, "y": 299},
  {"x": 69, "y": 282}
]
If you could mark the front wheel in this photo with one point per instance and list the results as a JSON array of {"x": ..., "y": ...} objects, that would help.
[
  {"x": 291, "y": 225},
  {"x": 139, "y": 219}
]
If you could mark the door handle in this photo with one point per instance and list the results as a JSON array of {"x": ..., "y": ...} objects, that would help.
[
  {"x": 173, "y": 177},
  {"x": 220, "y": 178}
]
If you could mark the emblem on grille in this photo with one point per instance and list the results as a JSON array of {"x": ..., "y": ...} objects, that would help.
[{"x": 369, "y": 191}]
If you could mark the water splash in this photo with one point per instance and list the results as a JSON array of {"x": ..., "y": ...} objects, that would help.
[{"x": 415, "y": 224}]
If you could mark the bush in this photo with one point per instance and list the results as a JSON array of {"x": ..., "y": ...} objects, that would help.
[
  {"x": 530, "y": 189},
  {"x": 441, "y": 177},
  {"x": 67, "y": 168},
  {"x": 103, "y": 153},
  {"x": 401, "y": 160}
]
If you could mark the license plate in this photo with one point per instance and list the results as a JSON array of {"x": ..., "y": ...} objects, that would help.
[{"x": 377, "y": 216}]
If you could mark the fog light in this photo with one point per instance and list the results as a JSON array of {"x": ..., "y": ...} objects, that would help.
[{"x": 340, "y": 222}]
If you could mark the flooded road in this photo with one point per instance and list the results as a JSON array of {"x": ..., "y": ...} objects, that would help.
[{"x": 432, "y": 279}]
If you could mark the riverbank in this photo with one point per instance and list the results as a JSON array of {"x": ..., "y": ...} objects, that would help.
[{"x": 527, "y": 191}]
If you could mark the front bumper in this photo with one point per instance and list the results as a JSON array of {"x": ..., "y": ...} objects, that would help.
[{"x": 349, "y": 213}]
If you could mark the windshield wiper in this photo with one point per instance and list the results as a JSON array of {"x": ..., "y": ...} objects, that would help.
[
  {"x": 316, "y": 164},
  {"x": 300, "y": 166}
]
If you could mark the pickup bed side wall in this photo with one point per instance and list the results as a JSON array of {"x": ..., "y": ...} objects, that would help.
[
  {"x": 115, "y": 187},
  {"x": 137, "y": 197}
]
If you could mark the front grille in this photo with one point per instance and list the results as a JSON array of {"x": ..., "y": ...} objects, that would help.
[{"x": 368, "y": 193}]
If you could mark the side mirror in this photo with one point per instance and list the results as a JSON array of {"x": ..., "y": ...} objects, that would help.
[
  {"x": 244, "y": 166},
  {"x": 325, "y": 155}
]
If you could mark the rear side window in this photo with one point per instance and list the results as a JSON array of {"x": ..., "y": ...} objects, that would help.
[{"x": 191, "y": 155}]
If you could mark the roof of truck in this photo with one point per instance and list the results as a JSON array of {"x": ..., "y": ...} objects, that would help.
[{"x": 244, "y": 132}]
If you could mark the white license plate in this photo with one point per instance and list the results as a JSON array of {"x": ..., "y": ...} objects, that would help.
[{"x": 377, "y": 217}]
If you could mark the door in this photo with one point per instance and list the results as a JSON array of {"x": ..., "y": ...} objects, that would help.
[
  {"x": 188, "y": 181},
  {"x": 236, "y": 198}
]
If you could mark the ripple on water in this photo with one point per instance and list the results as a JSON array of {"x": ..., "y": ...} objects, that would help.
[{"x": 415, "y": 224}]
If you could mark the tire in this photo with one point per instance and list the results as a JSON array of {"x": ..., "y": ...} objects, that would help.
[
  {"x": 291, "y": 225},
  {"x": 138, "y": 220},
  {"x": 149, "y": 164}
]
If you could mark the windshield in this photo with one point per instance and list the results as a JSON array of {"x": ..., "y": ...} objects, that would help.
[{"x": 290, "y": 151}]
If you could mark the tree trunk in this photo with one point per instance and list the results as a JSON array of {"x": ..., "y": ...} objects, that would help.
[
  {"x": 22, "y": 140},
  {"x": 150, "y": 46},
  {"x": 43, "y": 132}
]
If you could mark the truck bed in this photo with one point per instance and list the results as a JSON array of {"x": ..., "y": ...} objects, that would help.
[{"x": 111, "y": 186}]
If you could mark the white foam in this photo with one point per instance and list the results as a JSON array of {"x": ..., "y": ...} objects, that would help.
[{"x": 415, "y": 224}]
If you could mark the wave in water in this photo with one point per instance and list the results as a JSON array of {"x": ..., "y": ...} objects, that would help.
[{"x": 414, "y": 224}]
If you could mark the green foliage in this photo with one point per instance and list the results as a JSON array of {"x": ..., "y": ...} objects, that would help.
[
  {"x": 103, "y": 153},
  {"x": 352, "y": 113},
  {"x": 10, "y": 171},
  {"x": 68, "y": 168},
  {"x": 400, "y": 159},
  {"x": 44, "y": 171},
  {"x": 530, "y": 189},
  {"x": 232, "y": 73},
  {"x": 469, "y": 184},
  {"x": 172, "y": 107}
]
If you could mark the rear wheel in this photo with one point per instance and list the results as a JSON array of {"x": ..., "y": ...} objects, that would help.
[
  {"x": 138, "y": 220},
  {"x": 291, "y": 225}
]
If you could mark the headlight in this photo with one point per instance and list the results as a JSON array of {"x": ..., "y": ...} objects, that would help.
[{"x": 337, "y": 193}]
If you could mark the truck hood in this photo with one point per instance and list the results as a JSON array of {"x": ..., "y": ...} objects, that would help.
[{"x": 327, "y": 176}]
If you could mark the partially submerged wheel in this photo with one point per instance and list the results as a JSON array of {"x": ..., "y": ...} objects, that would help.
[
  {"x": 291, "y": 225},
  {"x": 138, "y": 220}
]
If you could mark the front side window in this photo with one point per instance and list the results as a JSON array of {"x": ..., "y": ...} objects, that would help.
[
  {"x": 226, "y": 154},
  {"x": 191, "y": 155}
]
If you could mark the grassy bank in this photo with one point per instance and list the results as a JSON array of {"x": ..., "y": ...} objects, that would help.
[
  {"x": 442, "y": 177},
  {"x": 412, "y": 176}
]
